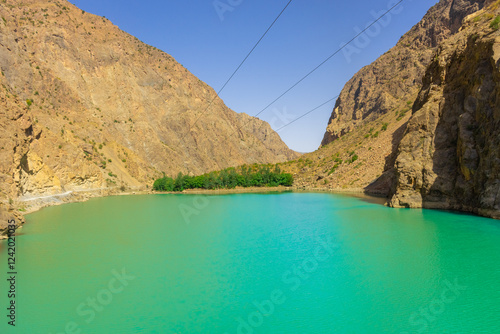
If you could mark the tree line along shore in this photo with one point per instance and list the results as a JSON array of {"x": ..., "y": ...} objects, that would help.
[{"x": 229, "y": 178}]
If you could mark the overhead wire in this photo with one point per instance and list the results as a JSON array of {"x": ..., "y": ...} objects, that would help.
[
  {"x": 307, "y": 113},
  {"x": 237, "y": 69},
  {"x": 321, "y": 64},
  {"x": 321, "y": 105}
]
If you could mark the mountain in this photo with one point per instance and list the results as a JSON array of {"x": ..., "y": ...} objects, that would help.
[
  {"x": 396, "y": 77},
  {"x": 86, "y": 106},
  {"x": 420, "y": 124}
]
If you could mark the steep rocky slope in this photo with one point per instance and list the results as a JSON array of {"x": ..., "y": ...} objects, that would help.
[
  {"x": 395, "y": 78},
  {"x": 372, "y": 111},
  {"x": 382, "y": 93},
  {"x": 354, "y": 161},
  {"x": 17, "y": 132},
  {"x": 449, "y": 156},
  {"x": 84, "y": 105}
]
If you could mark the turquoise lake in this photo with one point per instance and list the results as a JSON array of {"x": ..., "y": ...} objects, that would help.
[{"x": 253, "y": 263}]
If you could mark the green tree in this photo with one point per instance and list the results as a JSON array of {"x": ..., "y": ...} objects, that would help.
[
  {"x": 164, "y": 184},
  {"x": 286, "y": 180},
  {"x": 179, "y": 182},
  {"x": 248, "y": 176}
]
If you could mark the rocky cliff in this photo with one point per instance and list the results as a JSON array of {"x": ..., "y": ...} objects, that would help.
[
  {"x": 420, "y": 125},
  {"x": 449, "y": 156},
  {"x": 85, "y": 106},
  {"x": 396, "y": 77}
]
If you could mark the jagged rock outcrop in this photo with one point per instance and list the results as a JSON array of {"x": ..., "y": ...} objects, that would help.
[
  {"x": 84, "y": 105},
  {"x": 449, "y": 157},
  {"x": 394, "y": 79}
]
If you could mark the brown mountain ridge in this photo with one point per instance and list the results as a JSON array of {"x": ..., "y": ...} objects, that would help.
[{"x": 85, "y": 107}]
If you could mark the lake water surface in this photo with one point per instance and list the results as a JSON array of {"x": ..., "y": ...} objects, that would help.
[{"x": 253, "y": 263}]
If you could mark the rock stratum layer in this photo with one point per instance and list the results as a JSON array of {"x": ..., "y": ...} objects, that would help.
[
  {"x": 84, "y": 105},
  {"x": 449, "y": 156}
]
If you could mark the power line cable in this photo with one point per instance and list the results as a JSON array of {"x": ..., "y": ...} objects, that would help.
[
  {"x": 327, "y": 59},
  {"x": 321, "y": 105},
  {"x": 239, "y": 66},
  {"x": 322, "y": 63},
  {"x": 307, "y": 113}
]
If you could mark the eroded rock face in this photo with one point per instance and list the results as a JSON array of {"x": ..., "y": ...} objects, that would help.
[
  {"x": 9, "y": 215},
  {"x": 395, "y": 78},
  {"x": 83, "y": 105},
  {"x": 449, "y": 156}
]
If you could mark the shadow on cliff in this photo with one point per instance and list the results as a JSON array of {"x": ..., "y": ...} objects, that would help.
[
  {"x": 464, "y": 147},
  {"x": 384, "y": 184},
  {"x": 465, "y": 143}
]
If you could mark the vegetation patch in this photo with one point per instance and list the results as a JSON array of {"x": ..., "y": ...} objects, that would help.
[
  {"x": 477, "y": 18},
  {"x": 354, "y": 158},
  {"x": 401, "y": 114},
  {"x": 495, "y": 23},
  {"x": 334, "y": 168},
  {"x": 229, "y": 178}
]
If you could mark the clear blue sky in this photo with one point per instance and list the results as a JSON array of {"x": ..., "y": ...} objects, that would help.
[{"x": 211, "y": 45}]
